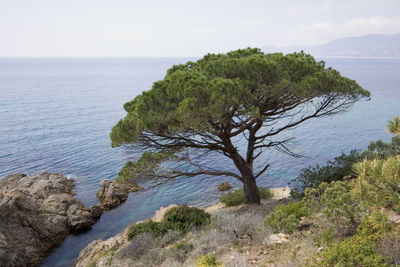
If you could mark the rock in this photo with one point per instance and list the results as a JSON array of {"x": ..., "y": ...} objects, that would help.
[
  {"x": 159, "y": 215},
  {"x": 278, "y": 238},
  {"x": 96, "y": 211},
  {"x": 224, "y": 186},
  {"x": 97, "y": 249},
  {"x": 36, "y": 214},
  {"x": 280, "y": 192},
  {"x": 112, "y": 194}
]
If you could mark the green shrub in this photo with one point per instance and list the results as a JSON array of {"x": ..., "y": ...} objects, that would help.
[
  {"x": 265, "y": 193},
  {"x": 378, "y": 182},
  {"x": 184, "y": 218},
  {"x": 357, "y": 250},
  {"x": 209, "y": 260},
  {"x": 236, "y": 197},
  {"x": 360, "y": 249},
  {"x": 334, "y": 170},
  {"x": 154, "y": 228},
  {"x": 286, "y": 218},
  {"x": 338, "y": 202},
  {"x": 342, "y": 166}
]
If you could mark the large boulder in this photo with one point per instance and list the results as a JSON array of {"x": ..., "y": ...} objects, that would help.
[
  {"x": 111, "y": 194},
  {"x": 36, "y": 214}
]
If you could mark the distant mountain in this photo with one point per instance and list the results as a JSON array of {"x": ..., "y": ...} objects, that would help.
[{"x": 372, "y": 45}]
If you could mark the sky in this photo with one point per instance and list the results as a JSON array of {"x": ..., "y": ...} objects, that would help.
[{"x": 182, "y": 28}]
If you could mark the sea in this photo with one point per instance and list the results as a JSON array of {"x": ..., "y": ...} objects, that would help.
[{"x": 56, "y": 115}]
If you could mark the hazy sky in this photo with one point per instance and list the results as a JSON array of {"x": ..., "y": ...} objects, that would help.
[{"x": 182, "y": 28}]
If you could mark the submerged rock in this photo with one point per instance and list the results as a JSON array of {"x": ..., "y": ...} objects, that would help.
[
  {"x": 224, "y": 186},
  {"x": 112, "y": 194},
  {"x": 36, "y": 214}
]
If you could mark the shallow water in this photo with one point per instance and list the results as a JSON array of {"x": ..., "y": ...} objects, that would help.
[{"x": 56, "y": 116}]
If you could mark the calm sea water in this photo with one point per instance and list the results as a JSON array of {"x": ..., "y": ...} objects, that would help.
[{"x": 56, "y": 116}]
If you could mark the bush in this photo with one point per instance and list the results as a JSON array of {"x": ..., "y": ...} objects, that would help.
[
  {"x": 377, "y": 183},
  {"x": 357, "y": 250},
  {"x": 265, "y": 193},
  {"x": 184, "y": 218},
  {"x": 286, "y": 218},
  {"x": 180, "y": 250},
  {"x": 342, "y": 166},
  {"x": 209, "y": 260},
  {"x": 236, "y": 226},
  {"x": 138, "y": 247},
  {"x": 360, "y": 249},
  {"x": 154, "y": 228},
  {"x": 236, "y": 197},
  {"x": 334, "y": 170},
  {"x": 338, "y": 202}
]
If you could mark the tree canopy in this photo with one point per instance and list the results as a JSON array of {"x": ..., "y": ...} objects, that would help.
[{"x": 207, "y": 104}]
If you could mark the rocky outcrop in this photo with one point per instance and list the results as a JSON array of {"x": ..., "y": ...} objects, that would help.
[
  {"x": 36, "y": 214},
  {"x": 112, "y": 194},
  {"x": 98, "y": 248},
  {"x": 224, "y": 186}
]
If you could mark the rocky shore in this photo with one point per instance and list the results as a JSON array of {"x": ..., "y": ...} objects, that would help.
[
  {"x": 36, "y": 214},
  {"x": 97, "y": 253}
]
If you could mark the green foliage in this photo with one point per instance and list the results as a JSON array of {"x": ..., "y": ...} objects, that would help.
[
  {"x": 208, "y": 260},
  {"x": 393, "y": 126},
  {"x": 154, "y": 228},
  {"x": 92, "y": 264},
  {"x": 357, "y": 250},
  {"x": 360, "y": 249},
  {"x": 342, "y": 167},
  {"x": 236, "y": 197},
  {"x": 181, "y": 218},
  {"x": 383, "y": 150},
  {"x": 265, "y": 193},
  {"x": 286, "y": 218},
  {"x": 338, "y": 202},
  {"x": 195, "y": 93},
  {"x": 378, "y": 182},
  {"x": 334, "y": 170},
  {"x": 147, "y": 162},
  {"x": 184, "y": 218}
]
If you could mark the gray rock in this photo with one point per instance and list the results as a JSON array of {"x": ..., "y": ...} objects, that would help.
[
  {"x": 111, "y": 194},
  {"x": 36, "y": 214}
]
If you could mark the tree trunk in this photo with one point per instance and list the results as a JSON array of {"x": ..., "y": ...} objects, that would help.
[{"x": 251, "y": 193}]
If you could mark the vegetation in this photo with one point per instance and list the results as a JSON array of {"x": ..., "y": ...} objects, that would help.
[
  {"x": 286, "y": 218},
  {"x": 393, "y": 126},
  {"x": 181, "y": 218},
  {"x": 154, "y": 228},
  {"x": 209, "y": 260},
  {"x": 360, "y": 249},
  {"x": 342, "y": 167},
  {"x": 353, "y": 221},
  {"x": 209, "y": 104},
  {"x": 145, "y": 165},
  {"x": 184, "y": 218},
  {"x": 237, "y": 197}
]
